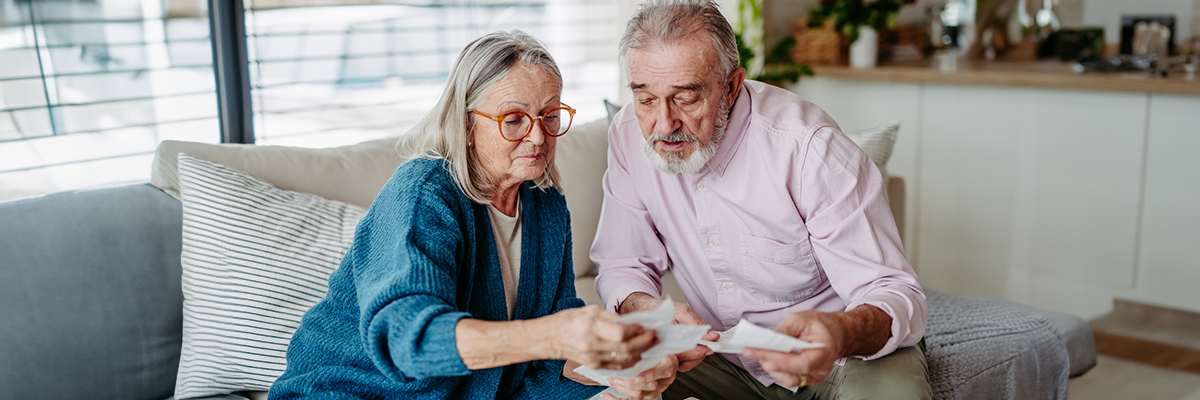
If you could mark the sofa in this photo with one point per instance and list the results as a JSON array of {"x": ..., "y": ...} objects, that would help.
[{"x": 92, "y": 283}]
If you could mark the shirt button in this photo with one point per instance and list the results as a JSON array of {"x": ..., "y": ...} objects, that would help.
[
  {"x": 699, "y": 186},
  {"x": 724, "y": 286},
  {"x": 711, "y": 241}
]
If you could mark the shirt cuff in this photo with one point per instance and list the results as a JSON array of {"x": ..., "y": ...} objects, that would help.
[{"x": 623, "y": 291}]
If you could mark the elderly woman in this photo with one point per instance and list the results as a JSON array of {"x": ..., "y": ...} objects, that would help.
[{"x": 459, "y": 282}]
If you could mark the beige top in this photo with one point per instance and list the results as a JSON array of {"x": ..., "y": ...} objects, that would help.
[{"x": 508, "y": 244}]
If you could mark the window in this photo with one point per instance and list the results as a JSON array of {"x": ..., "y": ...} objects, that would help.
[
  {"x": 335, "y": 75},
  {"x": 89, "y": 88}
]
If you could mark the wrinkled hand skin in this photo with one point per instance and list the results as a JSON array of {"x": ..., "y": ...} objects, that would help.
[
  {"x": 862, "y": 331},
  {"x": 684, "y": 314},
  {"x": 649, "y": 384},
  {"x": 589, "y": 336}
]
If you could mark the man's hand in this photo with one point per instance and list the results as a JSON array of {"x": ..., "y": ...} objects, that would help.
[
  {"x": 862, "y": 331},
  {"x": 649, "y": 384},
  {"x": 639, "y": 301}
]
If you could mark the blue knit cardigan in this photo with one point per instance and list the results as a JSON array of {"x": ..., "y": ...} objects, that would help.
[{"x": 423, "y": 257}]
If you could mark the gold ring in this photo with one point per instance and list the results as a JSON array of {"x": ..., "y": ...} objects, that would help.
[
  {"x": 613, "y": 355},
  {"x": 803, "y": 380}
]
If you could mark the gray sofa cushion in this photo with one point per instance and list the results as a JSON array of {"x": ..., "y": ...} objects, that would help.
[{"x": 90, "y": 295}]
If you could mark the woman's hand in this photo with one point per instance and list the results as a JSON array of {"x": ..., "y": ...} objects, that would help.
[
  {"x": 593, "y": 338},
  {"x": 649, "y": 384}
]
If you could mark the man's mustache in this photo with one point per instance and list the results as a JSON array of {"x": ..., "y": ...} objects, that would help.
[{"x": 676, "y": 136}]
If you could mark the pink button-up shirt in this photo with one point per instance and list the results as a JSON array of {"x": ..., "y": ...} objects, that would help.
[{"x": 788, "y": 215}]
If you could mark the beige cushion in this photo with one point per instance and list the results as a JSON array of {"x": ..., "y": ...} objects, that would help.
[
  {"x": 582, "y": 158},
  {"x": 353, "y": 174}
]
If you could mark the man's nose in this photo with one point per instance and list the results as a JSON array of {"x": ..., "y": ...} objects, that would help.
[{"x": 667, "y": 121}]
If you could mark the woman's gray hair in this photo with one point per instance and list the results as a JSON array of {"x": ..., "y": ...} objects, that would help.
[
  {"x": 670, "y": 21},
  {"x": 443, "y": 133}
]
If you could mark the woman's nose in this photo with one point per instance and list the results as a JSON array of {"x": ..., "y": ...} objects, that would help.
[{"x": 537, "y": 133}]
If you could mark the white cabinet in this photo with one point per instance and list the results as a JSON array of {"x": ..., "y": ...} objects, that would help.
[
  {"x": 1025, "y": 186},
  {"x": 1168, "y": 268},
  {"x": 1060, "y": 199}
]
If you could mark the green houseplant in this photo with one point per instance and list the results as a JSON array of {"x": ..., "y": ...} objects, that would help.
[
  {"x": 774, "y": 67},
  {"x": 848, "y": 15}
]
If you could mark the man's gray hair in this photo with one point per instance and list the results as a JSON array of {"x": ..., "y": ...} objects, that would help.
[
  {"x": 444, "y": 131},
  {"x": 670, "y": 21}
]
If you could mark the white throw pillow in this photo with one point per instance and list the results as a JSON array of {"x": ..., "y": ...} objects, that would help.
[
  {"x": 255, "y": 259},
  {"x": 878, "y": 142}
]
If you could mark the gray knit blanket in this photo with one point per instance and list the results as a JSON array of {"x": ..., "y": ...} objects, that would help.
[{"x": 986, "y": 348}]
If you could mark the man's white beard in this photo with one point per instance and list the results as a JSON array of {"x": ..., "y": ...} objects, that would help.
[{"x": 673, "y": 163}]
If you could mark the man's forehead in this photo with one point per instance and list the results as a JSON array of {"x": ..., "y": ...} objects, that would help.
[{"x": 675, "y": 67}]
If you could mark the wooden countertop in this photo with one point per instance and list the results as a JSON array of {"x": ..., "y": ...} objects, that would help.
[{"x": 1039, "y": 74}]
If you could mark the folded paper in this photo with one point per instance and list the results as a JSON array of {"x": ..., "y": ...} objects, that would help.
[
  {"x": 747, "y": 334},
  {"x": 676, "y": 338}
]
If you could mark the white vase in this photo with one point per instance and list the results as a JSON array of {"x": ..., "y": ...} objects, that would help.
[{"x": 864, "y": 50}]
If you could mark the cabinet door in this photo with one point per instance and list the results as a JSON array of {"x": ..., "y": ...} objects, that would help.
[
  {"x": 1169, "y": 254},
  {"x": 1023, "y": 185}
]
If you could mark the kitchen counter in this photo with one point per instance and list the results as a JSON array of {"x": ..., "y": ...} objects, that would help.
[{"x": 1038, "y": 74}]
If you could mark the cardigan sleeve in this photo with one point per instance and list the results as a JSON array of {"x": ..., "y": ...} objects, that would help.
[{"x": 406, "y": 257}]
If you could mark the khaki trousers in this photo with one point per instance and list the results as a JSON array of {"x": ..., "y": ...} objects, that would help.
[{"x": 900, "y": 375}]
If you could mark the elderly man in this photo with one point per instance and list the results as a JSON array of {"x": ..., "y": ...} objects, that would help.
[{"x": 764, "y": 210}]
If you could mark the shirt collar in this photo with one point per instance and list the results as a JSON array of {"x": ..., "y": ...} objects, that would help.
[{"x": 739, "y": 120}]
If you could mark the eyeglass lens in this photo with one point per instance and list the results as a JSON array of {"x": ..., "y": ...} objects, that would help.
[{"x": 516, "y": 125}]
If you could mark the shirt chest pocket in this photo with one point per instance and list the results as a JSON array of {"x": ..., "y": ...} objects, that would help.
[{"x": 778, "y": 272}]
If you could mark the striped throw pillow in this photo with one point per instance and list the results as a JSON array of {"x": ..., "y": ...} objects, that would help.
[
  {"x": 255, "y": 259},
  {"x": 878, "y": 142}
]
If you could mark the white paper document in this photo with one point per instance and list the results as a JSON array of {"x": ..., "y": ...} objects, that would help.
[
  {"x": 747, "y": 334},
  {"x": 672, "y": 338},
  {"x": 676, "y": 338}
]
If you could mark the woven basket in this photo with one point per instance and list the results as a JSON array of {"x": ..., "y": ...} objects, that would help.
[{"x": 818, "y": 46}]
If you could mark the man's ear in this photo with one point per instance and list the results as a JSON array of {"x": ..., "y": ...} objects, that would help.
[{"x": 734, "y": 86}]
